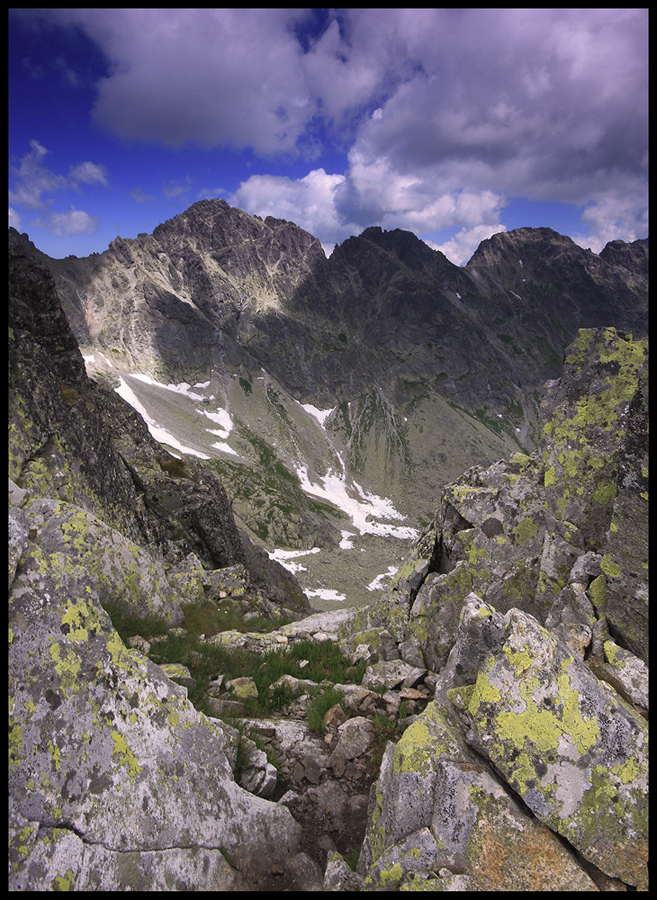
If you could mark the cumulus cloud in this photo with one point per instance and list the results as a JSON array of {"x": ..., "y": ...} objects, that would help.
[
  {"x": 611, "y": 215},
  {"x": 33, "y": 179},
  {"x": 309, "y": 202},
  {"x": 210, "y": 77},
  {"x": 88, "y": 173},
  {"x": 75, "y": 221},
  {"x": 459, "y": 249},
  {"x": 445, "y": 114}
]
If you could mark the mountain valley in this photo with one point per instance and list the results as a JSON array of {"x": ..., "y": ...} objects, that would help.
[{"x": 335, "y": 397}]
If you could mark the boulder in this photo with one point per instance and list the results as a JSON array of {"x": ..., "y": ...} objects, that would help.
[
  {"x": 339, "y": 877},
  {"x": 259, "y": 775},
  {"x": 437, "y": 806},
  {"x": 569, "y": 745},
  {"x": 252, "y": 641},
  {"x": 243, "y": 689},
  {"x": 75, "y": 548},
  {"x": 180, "y": 674},
  {"x": 391, "y": 674},
  {"x": 355, "y": 737},
  {"x": 114, "y": 778}
]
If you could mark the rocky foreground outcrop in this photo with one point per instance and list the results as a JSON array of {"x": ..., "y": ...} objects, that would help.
[
  {"x": 529, "y": 597},
  {"x": 515, "y": 634}
]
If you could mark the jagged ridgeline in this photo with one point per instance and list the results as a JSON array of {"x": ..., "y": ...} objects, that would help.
[{"x": 335, "y": 397}]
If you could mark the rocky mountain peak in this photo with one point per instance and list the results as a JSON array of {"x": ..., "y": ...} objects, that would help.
[
  {"x": 630, "y": 256},
  {"x": 420, "y": 366}
]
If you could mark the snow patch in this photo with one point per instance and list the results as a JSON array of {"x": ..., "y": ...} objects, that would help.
[
  {"x": 160, "y": 434},
  {"x": 221, "y": 417},
  {"x": 361, "y": 506},
  {"x": 326, "y": 594},
  {"x": 345, "y": 543},
  {"x": 182, "y": 388},
  {"x": 320, "y": 414},
  {"x": 377, "y": 585},
  {"x": 225, "y": 448},
  {"x": 284, "y": 556}
]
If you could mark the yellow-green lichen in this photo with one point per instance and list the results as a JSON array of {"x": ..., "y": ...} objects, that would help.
[
  {"x": 16, "y": 743},
  {"x": 525, "y": 530},
  {"x": 390, "y": 878},
  {"x": 127, "y": 757},
  {"x": 63, "y": 882},
  {"x": 56, "y": 755},
  {"x": 67, "y": 665},
  {"x": 597, "y": 590},
  {"x": 609, "y": 567}
]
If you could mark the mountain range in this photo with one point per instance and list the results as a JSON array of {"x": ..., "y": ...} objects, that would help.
[{"x": 335, "y": 397}]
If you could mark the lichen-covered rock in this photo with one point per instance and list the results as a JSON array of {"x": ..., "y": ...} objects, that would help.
[
  {"x": 339, "y": 877},
  {"x": 574, "y": 751},
  {"x": 74, "y": 551},
  {"x": 252, "y": 641},
  {"x": 112, "y": 771},
  {"x": 521, "y": 531},
  {"x": 437, "y": 806}
]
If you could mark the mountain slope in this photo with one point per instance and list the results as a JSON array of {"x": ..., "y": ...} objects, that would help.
[{"x": 376, "y": 375}]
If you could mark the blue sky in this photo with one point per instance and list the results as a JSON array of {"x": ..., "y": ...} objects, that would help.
[{"x": 454, "y": 124}]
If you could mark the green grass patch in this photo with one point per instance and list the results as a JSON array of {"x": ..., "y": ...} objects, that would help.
[
  {"x": 128, "y": 624},
  {"x": 206, "y": 661},
  {"x": 321, "y": 705}
]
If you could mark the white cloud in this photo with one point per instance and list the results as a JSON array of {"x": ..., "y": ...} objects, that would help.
[
  {"x": 88, "y": 173},
  {"x": 309, "y": 202},
  {"x": 75, "y": 221},
  {"x": 613, "y": 214},
  {"x": 460, "y": 248},
  {"x": 14, "y": 219},
  {"x": 210, "y": 77},
  {"x": 33, "y": 179},
  {"x": 445, "y": 113}
]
